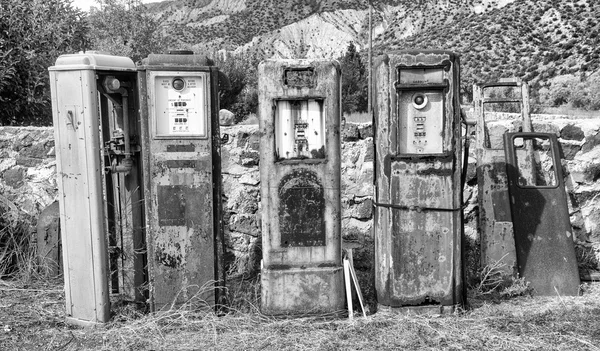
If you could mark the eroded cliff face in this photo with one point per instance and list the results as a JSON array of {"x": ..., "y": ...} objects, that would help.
[
  {"x": 291, "y": 29},
  {"x": 323, "y": 35},
  {"x": 28, "y": 171}
]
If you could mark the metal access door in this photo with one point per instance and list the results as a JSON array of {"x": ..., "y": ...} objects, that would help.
[
  {"x": 543, "y": 233},
  {"x": 495, "y": 222}
]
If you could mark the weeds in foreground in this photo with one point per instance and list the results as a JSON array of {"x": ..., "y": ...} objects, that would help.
[
  {"x": 495, "y": 282},
  {"x": 17, "y": 255}
]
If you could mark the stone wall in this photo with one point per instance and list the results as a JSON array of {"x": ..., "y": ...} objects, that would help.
[
  {"x": 27, "y": 171},
  {"x": 27, "y": 168}
]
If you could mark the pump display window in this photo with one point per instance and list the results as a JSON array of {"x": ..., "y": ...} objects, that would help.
[{"x": 299, "y": 129}]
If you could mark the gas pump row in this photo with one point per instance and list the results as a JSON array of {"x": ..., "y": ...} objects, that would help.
[{"x": 139, "y": 175}]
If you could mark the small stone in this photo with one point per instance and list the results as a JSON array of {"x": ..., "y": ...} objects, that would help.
[
  {"x": 572, "y": 132},
  {"x": 226, "y": 117},
  {"x": 350, "y": 132}
]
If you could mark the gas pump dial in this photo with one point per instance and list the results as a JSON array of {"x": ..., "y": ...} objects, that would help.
[{"x": 419, "y": 101}]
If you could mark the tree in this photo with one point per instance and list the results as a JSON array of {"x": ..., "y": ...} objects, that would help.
[
  {"x": 33, "y": 34},
  {"x": 354, "y": 81},
  {"x": 242, "y": 98},
  {"x": 125, "y": 28}
]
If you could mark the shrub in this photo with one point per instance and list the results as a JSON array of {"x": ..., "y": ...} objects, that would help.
[
  {"x": 125, "y": 28},
  {"x": 242, "y": 98},
  {"x": 354, "y": 82},
  {"x": 32, "y": 35},
  {"x": 574, "y": 91}
]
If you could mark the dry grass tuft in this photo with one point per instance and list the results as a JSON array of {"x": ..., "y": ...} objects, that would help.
[
  {"x": 36, "y": 322},
  {"x": 17, "y": 252},
  {"x": 495, "y": 283},
  {"x": 502, "y": 316}
]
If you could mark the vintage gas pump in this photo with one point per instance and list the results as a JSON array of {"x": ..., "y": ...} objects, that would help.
[
  {"x": 299, "y": 109},
  {"x": 182, "y": 172},
  {"x": 94, "y": 102},
  {"x": 418, "y": 198},
  {"x": 495, "y": 221}
]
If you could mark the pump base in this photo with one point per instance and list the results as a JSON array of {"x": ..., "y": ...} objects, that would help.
[
  {"x": 419, "y": 310},
  {"x": 84, "y": 323},
  {"x": 309, "y": 292}
]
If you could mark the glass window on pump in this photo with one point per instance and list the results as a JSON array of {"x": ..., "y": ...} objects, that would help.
[
  {"x": 180, "y": 108},
  {"x": 300, "y": 129}
]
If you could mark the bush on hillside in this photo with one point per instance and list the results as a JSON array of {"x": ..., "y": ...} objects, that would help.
[{"x": 576, "y": 92}]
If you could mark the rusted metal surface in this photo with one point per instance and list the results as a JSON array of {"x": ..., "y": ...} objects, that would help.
[
  {"x": 418, "y": 214},
  {"x": 124, "y": 192},
  {"x": 543, "y": 234},
  {"x": 300, "y": 192},
  {"x": 495, "y": 221},
  {"x": 302, "y": 291},
  {"x": 183, "y": 191},
  {"x": 301, "y": 209}
]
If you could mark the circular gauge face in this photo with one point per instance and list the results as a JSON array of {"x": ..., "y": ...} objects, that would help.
[
  {"x": 178, "y": 83},
  {"x": 113, "y": 84},
  {"x": 419, "y": 100}
]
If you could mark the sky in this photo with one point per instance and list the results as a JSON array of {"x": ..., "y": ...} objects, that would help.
[{"x": 85, "y": 4}]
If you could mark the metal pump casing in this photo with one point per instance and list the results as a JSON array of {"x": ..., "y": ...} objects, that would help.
[
  {"x": 299, "y": 113},
  {"x": 83, "y": 118},
  {"x": 182, "y": 168},
  {"x": 418, "y": 197}
]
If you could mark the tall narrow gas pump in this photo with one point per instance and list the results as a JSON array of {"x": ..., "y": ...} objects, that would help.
[
  {"x": 94, "y": 103},
  {"x": 418, "y": 224},
  {"x": 299, "y": 111},
  {"x": 182, "y": 179}
]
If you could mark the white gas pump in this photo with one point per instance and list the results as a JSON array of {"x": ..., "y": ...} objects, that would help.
[{"x": 94, "y": 102}]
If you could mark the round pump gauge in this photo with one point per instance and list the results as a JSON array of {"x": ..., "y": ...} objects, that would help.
[
  {"x": 419, "y": 100},
  {"x": 178, "y": 83}
]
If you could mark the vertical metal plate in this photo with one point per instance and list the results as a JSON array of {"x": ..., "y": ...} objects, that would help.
[
  {"x": 301, "y": 209},
  {"x": 79, "y": 178},
  {"x": 423, "y": 240},
  {"x": 495, "y": 221},
  {"x": 543, "y": 233}
]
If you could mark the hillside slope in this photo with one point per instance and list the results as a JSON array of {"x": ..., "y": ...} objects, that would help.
[{"x": 531, "y": 39}]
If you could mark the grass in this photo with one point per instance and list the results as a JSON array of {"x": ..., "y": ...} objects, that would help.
[
  {"x": 17, "y": 259},
  {"x": 32, "y": 318},
  {"x": 501, "y": 315}
]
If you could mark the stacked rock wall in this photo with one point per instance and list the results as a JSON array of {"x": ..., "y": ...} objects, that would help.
[{"x": 28, "y": 170}]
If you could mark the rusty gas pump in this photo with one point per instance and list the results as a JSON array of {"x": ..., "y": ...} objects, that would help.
[
  {"x": 299, "y": 109},
  {"x": 182, "y": 179},
  {"x": 418, "y": 225}
]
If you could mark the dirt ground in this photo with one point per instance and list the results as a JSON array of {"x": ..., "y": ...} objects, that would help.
[{"x": 32, "y": 317}]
